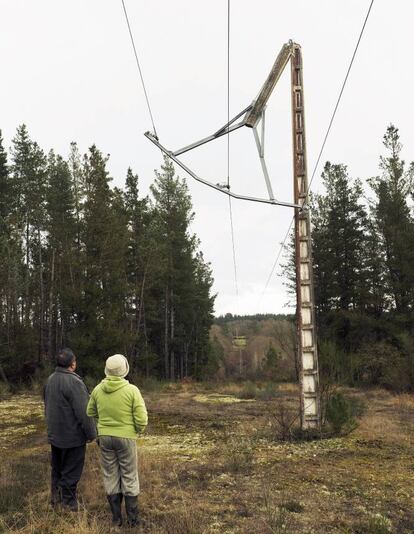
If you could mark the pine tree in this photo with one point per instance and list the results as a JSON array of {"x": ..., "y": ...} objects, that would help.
[
  {"x": 29, "y": 182},
  {"x": 5, "y": 188},
  {"x": 78, "y": 187},
  {"x": 64, "y": 276},
  {"x": 394, "y": 221},
  {"x": 184, "y": 276},
  {"x": 271, "y": 361},
  {"x": 6, "y": 265},
  {"x": 101, "y": 319},
  {"x": 141, "y": 262},
  {"x": 340, "y": 223}
]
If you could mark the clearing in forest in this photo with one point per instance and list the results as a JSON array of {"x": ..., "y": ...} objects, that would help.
[{"x": 212, "y": 461}]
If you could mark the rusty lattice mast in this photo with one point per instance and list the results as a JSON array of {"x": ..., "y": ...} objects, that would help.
[
  {"x": 254, "y": 116},
  {"x": 306, "y": 343},
  {"x": 305, "y": 304}
]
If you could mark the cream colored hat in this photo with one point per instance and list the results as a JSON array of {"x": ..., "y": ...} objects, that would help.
[{"x": 117, "y": 365}]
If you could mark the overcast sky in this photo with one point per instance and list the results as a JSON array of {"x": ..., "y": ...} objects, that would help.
[{"x": 68, "y": 72}]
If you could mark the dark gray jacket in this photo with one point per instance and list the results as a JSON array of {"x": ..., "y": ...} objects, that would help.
[{"x": 66, "y": 398}]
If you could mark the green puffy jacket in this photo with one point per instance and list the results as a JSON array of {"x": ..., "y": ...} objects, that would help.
[{"x": 118, "y": 407}]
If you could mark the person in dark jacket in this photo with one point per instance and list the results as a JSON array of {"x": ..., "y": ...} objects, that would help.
[{"x": 68, "y": 428}]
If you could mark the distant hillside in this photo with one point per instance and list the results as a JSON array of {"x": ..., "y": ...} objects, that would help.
[
  {"x": 261, "y": 332},
  {"x": 229, "y": 317}
]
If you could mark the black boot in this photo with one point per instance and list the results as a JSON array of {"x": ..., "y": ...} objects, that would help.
[
  {"x": 69, "y": 499},
  {"x": 131, "y": 507},
  {"x": 55, "y": 496},
  {"x": 115, "y": 504}
]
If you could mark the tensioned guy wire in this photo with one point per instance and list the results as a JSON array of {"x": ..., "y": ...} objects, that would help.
[
  {"x": 139, "y": 69},
  {"x": 275, "y": 263}
]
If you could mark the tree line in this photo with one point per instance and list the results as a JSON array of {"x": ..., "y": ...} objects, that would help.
[
  {"x": 363, "y": 252},
  {"x": 98, "y": 268}
]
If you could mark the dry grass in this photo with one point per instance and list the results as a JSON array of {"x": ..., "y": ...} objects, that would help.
[
  {"x": 403, "y": 402},
  {"x": 206, "y": 466}
]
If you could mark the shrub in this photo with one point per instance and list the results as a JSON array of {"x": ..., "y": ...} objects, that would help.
[
  {"x": 283, "y": 422},
  {"x": 249, "y": 391},
  {"x": 4, "y": 390},
  {"x": 342, "y": 413},
  {"x": 149, "y": 384},
  {"x": 293, "y": 506},
  {"x": 270, "y": 392},
  {"x": 376, "y": 524},
  {"x": 239, "y": 454},
  {"x": 277, "y": 519},
  {"x": 384, "y": 365}
]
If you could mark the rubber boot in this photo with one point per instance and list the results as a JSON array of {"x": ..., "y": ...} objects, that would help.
[
  {"x": 115, "y": 504},
  {"x": 131, "y": 507}
]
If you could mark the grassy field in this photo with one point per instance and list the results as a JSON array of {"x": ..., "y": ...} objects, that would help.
[{"x": 212, "y": 462}]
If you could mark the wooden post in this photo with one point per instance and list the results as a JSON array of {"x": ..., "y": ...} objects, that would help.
[{"x": 306, "y": 345}]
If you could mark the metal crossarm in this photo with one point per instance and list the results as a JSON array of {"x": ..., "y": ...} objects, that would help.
[
  {"x": 226, "y": 129},
  {"x": 279, "y": 65},
  {"x": 222, "y": 188},
  {"x": 251, "y": 116}
]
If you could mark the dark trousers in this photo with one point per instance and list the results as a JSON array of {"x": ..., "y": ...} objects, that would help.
[{"x": 67, "y": 465}]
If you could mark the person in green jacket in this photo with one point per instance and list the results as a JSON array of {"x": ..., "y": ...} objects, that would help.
[{"x": 121, "y": 415}]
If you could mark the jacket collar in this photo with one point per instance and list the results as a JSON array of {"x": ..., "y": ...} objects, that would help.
[{"x": 63, "y": 370}]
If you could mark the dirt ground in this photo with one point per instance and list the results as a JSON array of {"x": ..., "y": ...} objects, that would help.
[{"x": 212, "y": 463}]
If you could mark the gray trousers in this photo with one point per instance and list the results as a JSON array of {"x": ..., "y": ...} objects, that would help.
[{"x": 119, "y": 465}]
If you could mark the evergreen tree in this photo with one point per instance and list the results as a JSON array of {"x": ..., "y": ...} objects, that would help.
[
  {"x": 395, "y": 222},
  {"x": 184, "y": 277},
  {"x": 271, "y": 362},
  {"x": 29, "y": 182},
  {"x": 104, "y": 240},
  {"x": 339, "y": 241},
  {"x": 64, "y": 280},
  {"x": 78, "y": 187},
  {"x": 5, "y": 188},
  {"x": 374, "y": 290},
  {"x": 202, "y": 306},
  {"x": 141, "y": 269},
  {"x": 7, "y": 250}
]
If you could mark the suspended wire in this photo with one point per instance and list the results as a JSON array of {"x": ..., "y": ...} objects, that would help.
[
  {"x": 139, "y": 69},
  {"x": 275, "y": 263},
  {"x": 338, "y": 100},
  {"x": 228, "y": 157},
  {"x": 234, "y": 252}
]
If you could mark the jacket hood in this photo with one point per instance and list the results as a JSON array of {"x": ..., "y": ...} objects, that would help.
[{"x": 113, "y": 383}]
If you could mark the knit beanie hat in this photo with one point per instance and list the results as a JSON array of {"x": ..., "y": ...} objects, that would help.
[{"x": 117, "y": 365}]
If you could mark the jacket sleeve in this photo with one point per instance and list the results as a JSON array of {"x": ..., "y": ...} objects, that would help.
[
  {"x": 139, "y": 411},
  {"x": 91, "y": 409},
  {"x": 79, "y": 400}
]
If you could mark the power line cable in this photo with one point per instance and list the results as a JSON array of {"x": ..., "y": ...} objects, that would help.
[
  {"x": 228, "y": 158},
  {"x": 234, "y": 253},
  {"x": 228, "y": 92},
  {"x": 339, "y": 99},
  {"x": 275, "y": 263},
  {"x": 139, "y": 68}
]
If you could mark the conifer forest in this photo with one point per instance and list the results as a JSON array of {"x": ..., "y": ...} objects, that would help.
[
  {"x": 98, "y": 268},
  {"x": 105, "y": 269}
]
